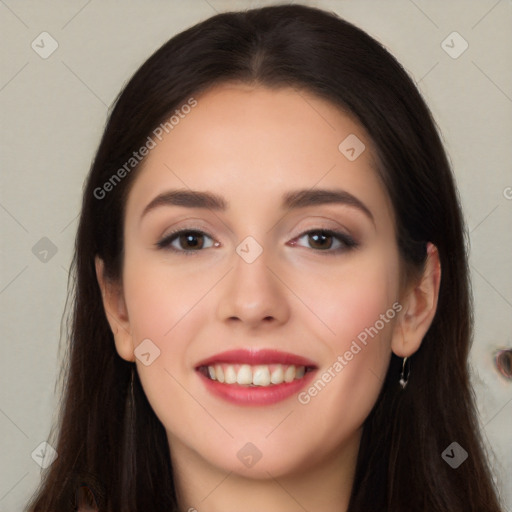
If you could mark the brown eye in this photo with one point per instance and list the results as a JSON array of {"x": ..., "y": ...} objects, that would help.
[
  {"x": 191, "y": 241},
  {"x": 186, "y": 241},
  {"x": 321, "y": 240},
  {"x": 331, "y": 242}
]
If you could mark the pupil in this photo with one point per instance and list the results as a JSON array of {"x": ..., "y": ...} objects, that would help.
[
  {"x": 189, "y": 240},
  {"x": 322, "y": 236}
]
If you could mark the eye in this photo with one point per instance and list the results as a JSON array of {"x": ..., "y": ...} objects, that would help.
[
  {"x": 191, "y": 240},
  {"x": 324, "y": 240}
]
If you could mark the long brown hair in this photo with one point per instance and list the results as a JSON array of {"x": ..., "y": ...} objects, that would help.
[{"x": 119, "y": 456}]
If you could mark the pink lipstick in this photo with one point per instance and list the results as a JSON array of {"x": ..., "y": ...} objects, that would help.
[{"x": 255, "y": 377}]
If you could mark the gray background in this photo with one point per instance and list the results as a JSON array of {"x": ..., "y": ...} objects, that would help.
[{"x": 53, "y": 112}]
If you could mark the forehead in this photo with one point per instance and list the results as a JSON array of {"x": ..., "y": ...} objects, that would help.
[{"x": 252, "y": 144}]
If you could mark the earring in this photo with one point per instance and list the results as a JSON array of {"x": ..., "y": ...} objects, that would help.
[{"x": 404, "y": 379}]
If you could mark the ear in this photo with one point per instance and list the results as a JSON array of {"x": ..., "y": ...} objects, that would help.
[
  {"x": 419, "y": 307},
  {"x": 116, "y": 312}
]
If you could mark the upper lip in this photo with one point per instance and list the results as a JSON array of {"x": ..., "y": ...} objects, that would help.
[{"x": 256, "y": 356}]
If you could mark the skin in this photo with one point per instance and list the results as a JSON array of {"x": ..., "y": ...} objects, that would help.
[{"x": 251, "y": 145}]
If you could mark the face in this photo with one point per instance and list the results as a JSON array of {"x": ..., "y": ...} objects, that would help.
[{"x": 268, "y": 314}]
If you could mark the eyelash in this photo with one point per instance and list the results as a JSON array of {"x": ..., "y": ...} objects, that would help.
[{"x": 348, "y": 242}]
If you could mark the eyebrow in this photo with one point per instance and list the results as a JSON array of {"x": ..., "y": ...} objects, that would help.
[{"x": 292, "y": 200}]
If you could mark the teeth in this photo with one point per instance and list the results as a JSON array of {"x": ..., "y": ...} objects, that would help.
[
  {"x": 277, "y": 375},
  {"x": 289, "y": 374},
  {"x": 219, "y": 373},
  {"x": 229, "y": 375},
  {"x": 244, "y": 375},
  {"x": 260, "y": 375}
]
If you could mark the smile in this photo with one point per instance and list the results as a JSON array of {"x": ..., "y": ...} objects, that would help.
[
  {"x": 250, "y": 377},
  {"x": 260, "y": 375}
]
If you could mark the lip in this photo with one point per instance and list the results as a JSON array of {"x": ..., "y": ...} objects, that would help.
[
  {"x": 256, "y": 395},
  {"x": 253, "y": 357}
]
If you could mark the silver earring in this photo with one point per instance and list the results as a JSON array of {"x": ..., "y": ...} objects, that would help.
[{"x": 404, "y": 378}]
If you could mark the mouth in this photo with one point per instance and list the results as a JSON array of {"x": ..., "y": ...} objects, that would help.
[{"x": 255, "y": 377}]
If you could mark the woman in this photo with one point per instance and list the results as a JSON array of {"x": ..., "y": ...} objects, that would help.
[{"x": 271, "y": 305}]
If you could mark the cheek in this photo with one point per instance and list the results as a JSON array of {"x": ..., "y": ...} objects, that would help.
[
  {"x": 169, "y": 306},
  {"x": 165, "y": 307},
  {"x": 352, "y": 299},
  {"x": 359, "y": 306},
  {"x": 160, "y": 300}
]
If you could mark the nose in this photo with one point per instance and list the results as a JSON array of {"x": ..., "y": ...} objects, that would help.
[{"x": 254, "y": 294}]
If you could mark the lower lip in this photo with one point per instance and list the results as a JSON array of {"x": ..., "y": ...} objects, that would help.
[{"x": 256, "y": 395}]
